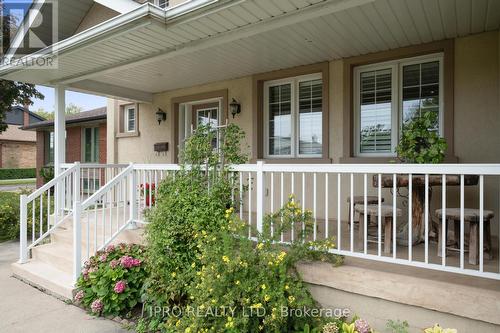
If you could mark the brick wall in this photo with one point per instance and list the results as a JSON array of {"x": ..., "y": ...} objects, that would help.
[
  {"x": 18, "y": 154},
  {"x": 73, "y": 144},
  {"x": 40, "y": 155}
]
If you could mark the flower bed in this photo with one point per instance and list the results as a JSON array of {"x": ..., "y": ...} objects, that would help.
[{"x": 112, "y": 280}]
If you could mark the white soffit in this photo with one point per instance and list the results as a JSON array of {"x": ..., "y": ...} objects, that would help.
[
  {"x": 230, "y": 39},
  {"x": 120, "y": 6}
]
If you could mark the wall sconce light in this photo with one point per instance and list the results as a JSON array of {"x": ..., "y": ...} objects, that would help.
[
  {"x": 235, "y": 107},
  {"x": 161, "y": 116}
]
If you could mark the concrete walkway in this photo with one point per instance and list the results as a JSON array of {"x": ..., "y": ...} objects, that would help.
[{"x": 26, "y": 309}]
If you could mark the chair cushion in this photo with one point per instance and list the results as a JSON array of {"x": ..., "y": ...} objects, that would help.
[
  {"x": 359, "y": 199},
  {"x": 470, "y": 214}
]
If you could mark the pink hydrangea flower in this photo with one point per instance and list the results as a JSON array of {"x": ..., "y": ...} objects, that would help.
[
  {"x": 362, "y": 326},
  {"x": 110, "y": 248},
  {"x": 120, "y": 287},
  {"x": 96, "y": 306},
  {"x": 79, "y": 296},
  {"x": 103, "y": 257},
  {"x": 114, "y": 263},
  {"x": 128, "y": 262}
]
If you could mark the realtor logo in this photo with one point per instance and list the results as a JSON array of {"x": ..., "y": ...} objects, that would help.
[{"x": 28, "y": 26}]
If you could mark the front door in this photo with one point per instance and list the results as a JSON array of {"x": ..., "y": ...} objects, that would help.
[{"x": 204, "y": 114}]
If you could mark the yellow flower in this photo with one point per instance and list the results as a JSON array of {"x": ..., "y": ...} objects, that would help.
[
  {"x": 218, "y": 276},
  {"x": 291, "y": 299},
  {"x": 256, "y": 306},
  {"x": 267, "y": 298},
  {"x": 173, "y": 274},
  {"x": 193, "y": 265},
  {"x": 198, "y": 273},
  {"x": 237, "y": 282},
  {"x": 260, "y": 246},
  {"x": 187, "y": 330},
  {"x": 263, "y": 287},
  {"x": 225, "y": 259},
  {"x": 287, "y": 287},
  {"x": 270, "y": 263},
  {"x": 204, "y": 232},
  {"x": 261, "y": 327},
  {"x": 214, "y": 301}
]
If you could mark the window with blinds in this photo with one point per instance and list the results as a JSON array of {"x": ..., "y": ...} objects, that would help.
[
  {"x": 391, "y": 94},
  {"x": 376, "y": 111},
  {"x": 294, "y": 117}
]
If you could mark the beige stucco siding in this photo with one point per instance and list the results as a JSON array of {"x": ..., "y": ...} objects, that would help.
[{"x": 476, "y": 123}]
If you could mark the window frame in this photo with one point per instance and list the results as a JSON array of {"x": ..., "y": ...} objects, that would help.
[
  {"x": 294, "y": 81},
  {"x": 396, "y": 67},
  {"x": 94, "y": 143},
  {"x": 126, "y": 118}
]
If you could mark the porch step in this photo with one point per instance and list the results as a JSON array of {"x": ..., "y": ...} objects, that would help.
[
  {"x": 59, "y": 256},
  {"x": 65, "y": 236},
  {"x": 45, "y": 277}
]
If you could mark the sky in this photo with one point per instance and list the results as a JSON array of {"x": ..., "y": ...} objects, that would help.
[{"x": 86, "y": 101}]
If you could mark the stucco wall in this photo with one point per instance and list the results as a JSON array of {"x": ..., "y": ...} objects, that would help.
[{"x": 476, "y": 123}]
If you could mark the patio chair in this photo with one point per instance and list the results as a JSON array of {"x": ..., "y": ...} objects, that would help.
[
  {"x": 360, "y": 200},
  {"x": 471, "y": 216}
]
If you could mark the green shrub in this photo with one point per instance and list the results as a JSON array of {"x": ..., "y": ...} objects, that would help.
[
  {"x": 47, "y": 174},
  {"x": 17, "y": 173},
  {"x": 112, "y": 280},
  {"x": 9, "y": 216}
]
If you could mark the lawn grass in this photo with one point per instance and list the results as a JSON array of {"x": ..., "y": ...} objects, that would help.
[{"x": 27, "y": 181}]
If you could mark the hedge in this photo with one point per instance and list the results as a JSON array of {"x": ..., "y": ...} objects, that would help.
[{"x": 17, "y": 173}]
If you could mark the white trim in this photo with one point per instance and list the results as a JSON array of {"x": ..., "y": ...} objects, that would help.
[
  {"x": 396, "y": 105},
  {"x": 126, "y": 118},
  {"x": 120, "y": 6},
  {"x": 294, "y": 101}
]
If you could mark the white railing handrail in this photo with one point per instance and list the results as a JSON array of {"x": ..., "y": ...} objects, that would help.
[
  {"x": 95, "y": 165},
  {"x": 51, "y": 183},
  {"x": 158, "y": 167},
  {"x": 94, "y": 197}
]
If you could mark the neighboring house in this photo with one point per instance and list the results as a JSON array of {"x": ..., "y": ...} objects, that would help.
[
  {"x": 323, "y": 87},
  {"x": 85, "y": 139},
  {"x": 17, "y": 146}
]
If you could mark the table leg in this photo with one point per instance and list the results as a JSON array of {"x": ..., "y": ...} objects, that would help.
[
  {"x": 442, "y": 238},
  {"x": 361, "y": 232},
  {"x": 418, "y": 202},
  {"x": 474, "y": 243}
]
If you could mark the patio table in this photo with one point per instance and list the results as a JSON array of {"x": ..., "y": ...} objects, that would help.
[{"x": 418, "y": 193}]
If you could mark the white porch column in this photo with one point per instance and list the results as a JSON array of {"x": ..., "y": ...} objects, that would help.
[
  {"x": 59, "y": 145},
  {"x": 59, "y": 129}
]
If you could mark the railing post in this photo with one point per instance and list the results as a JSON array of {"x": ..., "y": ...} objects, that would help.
[
  {"x": 77, "y": 240},
  {"x": 23, "y": 237},
  {"x": 76, "y": 182},
  {"x": 133, "y": 200},
  {"x": 260, "y": 195}
]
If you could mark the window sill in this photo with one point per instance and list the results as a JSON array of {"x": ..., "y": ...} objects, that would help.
[
  {"x": 318, "y": 160},
  {"x": 127, "y": 134}
]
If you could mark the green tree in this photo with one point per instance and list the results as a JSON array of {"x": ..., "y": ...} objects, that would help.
[
  {"x": 13, "y": 93},
  {"x": 70, "y": 109}
]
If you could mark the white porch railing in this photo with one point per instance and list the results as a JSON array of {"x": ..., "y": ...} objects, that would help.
[{"x": 394, "y": 197}]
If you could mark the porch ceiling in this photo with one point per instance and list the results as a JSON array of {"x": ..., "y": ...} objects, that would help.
[{"x": 148, "y": 50}]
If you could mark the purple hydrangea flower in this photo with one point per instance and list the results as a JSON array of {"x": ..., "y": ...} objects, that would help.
[
  {"x": 128, "y": 262},
  {"x": 114, "y": 263},
  {"x": 103, "y": 257},
  {"x": 120, "y": 287},
  {"x": 362, "y": 326},
  {"x": 79, "y": 296},
  {"x": 96, "y": 306},
  {"x": 110, "y": 248}
]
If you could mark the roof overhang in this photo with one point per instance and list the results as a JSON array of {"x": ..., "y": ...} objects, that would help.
[{"x": 150, "y": 50}]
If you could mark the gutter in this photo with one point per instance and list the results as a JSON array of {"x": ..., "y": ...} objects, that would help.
[{"x": 42, "y": 125}]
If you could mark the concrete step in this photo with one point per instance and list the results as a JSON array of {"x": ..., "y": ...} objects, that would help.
[
  {"x": 45, "y": 277},
  {"x": 126, "y": 236},
  {"x": 59, "y": 256}
]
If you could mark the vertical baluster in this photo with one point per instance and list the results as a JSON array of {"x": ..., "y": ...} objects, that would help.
[
  {"x": 292, "y": 175},
  {"x": 410, "y": 217},
  {"x": 462, "y": 195},
  {"x": 379, "y": 217},
  {"x": 103, "y": 217},
  {"x": 303, "y": 197},
  {"x": 426, "y": 218},
  {"x": 156, "y": 185},
  {"x": 365, "y": 215},
  {"x": 41, "y": 215},
  {"x": 82, "y": 175},
  {"x": 394, "y": 213},
  {"x": 95, "y": 226},
  {"x": 241, "y": 195},
  {"x": 33, "y": 219},
  {"x": 232, "y": 188},
  {"x": 314, "y": 208},
  {"x": 326, "y": 205},
  {"x": 88, "y": 234},
  {"x": 281, "y": 205},
  {"x": 444, "y": 230},
  {"x": 93, "y": 181},
  {"x": 481, "y": 223},
  {"x": 89, "y": 189},
  {"x": 249, "y": 204},
  {"x": 48, "y": 209},
  {"x": 351, "y": 217},
  {"x": 144, "y": 186},
  {"x": 339, "y": 215},
  {"x": 150, "y": 189},
  {"x": 272, "y": 203}
]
